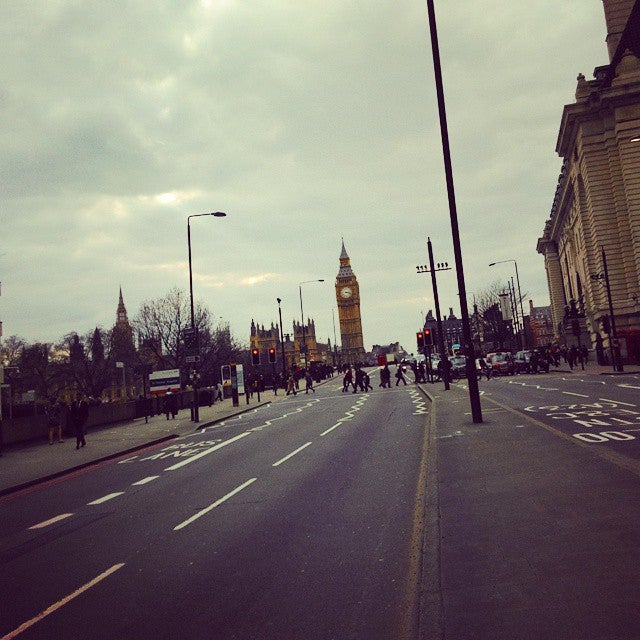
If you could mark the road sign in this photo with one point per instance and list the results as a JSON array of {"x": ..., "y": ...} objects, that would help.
[
  {"x": 192, "y": 359},
  {"x": 162, "y": 381},
  {"x": 190, "y": 337}
]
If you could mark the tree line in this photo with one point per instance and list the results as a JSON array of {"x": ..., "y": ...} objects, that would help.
[{"x": 87, "y": 363}]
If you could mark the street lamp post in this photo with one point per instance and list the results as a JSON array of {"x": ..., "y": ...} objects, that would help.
[
  {"x": 284, "y": 364},
  {"x": 474, "y": 391},
  {"x": 335, "y": 339},
  {"x": 195, "y": 413},
  {"x": 303, "y": 348},
  {"x": 524, "y": 333}
]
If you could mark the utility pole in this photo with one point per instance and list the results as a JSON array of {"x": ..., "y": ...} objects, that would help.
[{"x": 434, "y": 285}]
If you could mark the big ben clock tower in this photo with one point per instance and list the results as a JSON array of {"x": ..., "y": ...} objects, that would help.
[{"x": 348, "y": 297}]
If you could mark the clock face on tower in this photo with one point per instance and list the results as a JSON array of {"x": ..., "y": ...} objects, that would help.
[{"x": 346, "y": 292}]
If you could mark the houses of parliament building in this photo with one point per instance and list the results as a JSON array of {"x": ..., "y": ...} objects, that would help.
[{"x": 349, "y": 314}]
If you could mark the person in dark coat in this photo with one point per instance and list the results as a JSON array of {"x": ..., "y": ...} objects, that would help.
[
  {"x": 79, "y": 413},
  {"x": 55, "y": 415},
  {"x": 385, "y": 377},
  {"x": 170, "y": 405}
]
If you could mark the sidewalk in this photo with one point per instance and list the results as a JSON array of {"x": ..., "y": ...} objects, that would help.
[
  {"x": 23, "y": 465},
  {"x": 593, "y": 368},
  {"x": 527, "y": 535}
]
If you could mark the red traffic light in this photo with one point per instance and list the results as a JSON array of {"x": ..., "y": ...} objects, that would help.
[
  {"x": 428, "y": 338},
  {"x": 272, "y": 355},
  {"x": 255, "y": 356}
]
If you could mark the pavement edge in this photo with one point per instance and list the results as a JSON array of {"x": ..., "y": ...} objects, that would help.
[
  {"x": 89, "y": 463},
  {"x": 431, "y": 611}
]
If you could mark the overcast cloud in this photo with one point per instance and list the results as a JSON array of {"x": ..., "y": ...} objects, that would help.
[{"x": 306, "y": 122}]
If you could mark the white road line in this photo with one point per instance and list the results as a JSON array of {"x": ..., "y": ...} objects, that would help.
[
  {"x": 206, "y": 452},
  {"x": 131, "y": 459},
  {"x": 628, "y": 404},
  {"x": 46, "y": 523},
  {"x": 570, "y": 393},
  {"x": 628, "y": 386},
  {"x": 293, "y": 453},
  {"x": 217, "y": 503},
  {"x": 54, "y": 607},
  {"x": 109, "y": 496},
  {"x": 330, "y": 429},
  {"x": 145, "y": 480}
]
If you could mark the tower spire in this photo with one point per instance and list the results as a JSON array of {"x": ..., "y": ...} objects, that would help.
[{"x": 122, "y": 310}]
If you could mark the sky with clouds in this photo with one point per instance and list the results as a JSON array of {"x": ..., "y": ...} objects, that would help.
[{"x": 306, "y": 122}]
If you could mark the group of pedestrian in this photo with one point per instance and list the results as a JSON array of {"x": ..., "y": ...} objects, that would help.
[
  {"x": 385, "y": 377},
  {"x": 293, "y": 384},
  {"x": 574, "y": 356},
  {"x": 170, "y": 405},
  {"x": 358, "y": 379},
  {"x": 75, "y": 415}
]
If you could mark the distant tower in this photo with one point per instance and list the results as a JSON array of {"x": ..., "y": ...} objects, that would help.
[
  {"x": 348, "y": 298},
  {"x": 122, "y": 335},
  {"x": 122, "y": 312}
]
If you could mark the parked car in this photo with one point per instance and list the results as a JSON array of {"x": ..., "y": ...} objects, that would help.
[{"x": 501, "y": 363}]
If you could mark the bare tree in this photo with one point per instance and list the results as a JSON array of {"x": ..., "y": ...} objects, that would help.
[
  {"x": 10, "y": 351},
  {"x": 159, "y": 325},
  {"x": 495, "y": 328}
]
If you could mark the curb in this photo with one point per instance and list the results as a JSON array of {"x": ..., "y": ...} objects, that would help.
[
  {"x": 84, "y": 465},
  {"x": 58, "y": 474}
]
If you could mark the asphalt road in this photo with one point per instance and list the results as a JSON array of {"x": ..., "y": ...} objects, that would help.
[
  {"x": 298, "y": 520},
  {"x": 538, "y": 509},
  {"x": 600, "y": 411}
]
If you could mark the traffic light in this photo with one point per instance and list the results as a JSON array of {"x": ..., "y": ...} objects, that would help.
[
  {"x": 420, "y": 340},
  {"x": 428, "y": 338},
  {"x": 255, "y": 356},
  {"x": 272, "y": 355}
]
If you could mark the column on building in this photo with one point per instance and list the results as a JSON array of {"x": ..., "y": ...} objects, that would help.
[{"x": 549, "y": 249}]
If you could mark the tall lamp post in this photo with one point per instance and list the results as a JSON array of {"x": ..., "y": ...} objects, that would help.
[
  {"x": 284, "y": 364},
  {"x": 193, "y": 335},
  {"x": 474, "y": 391},
  {"x": 524, "y": 333},
  {"x": 303, "y": 348}
]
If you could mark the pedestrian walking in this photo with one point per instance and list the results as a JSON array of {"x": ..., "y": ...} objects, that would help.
[
  {"x": 358, "y": 380},
  {"x": 400, "y": 376},
  {"x": 55, "y": 416},
  {"x": 170, "y": 405},
  {"x": 571, "y": 357},
  {"x": 309, "y": 383},
  {"x": 217, "y": 393},
  {"x": 584, "y": 355},
  {"x": 291, "y": 385},
  {"x": 79, "y": 413},
  {"x": 385, "y": 377},
  {"x": 347, "y": 380},
  {"x": 367, "y": 381},
  {"x": 484, "y": 368}
]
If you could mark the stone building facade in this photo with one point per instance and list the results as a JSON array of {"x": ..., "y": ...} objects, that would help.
[
  {"x": 595, "y": 214},
  {"x": 264, "y": 339},
  {"x": 451, "y": 330}
]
